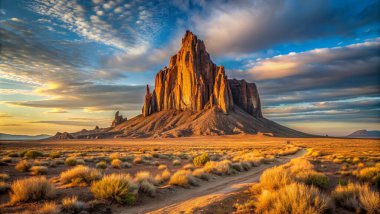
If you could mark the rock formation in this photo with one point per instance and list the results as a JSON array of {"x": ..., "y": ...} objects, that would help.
[
  {"x": 118, "y": 119},
  {"x": 193, "y": 82},
  {"x": 62, "y": 136},
  {"x": 192, "y": 96}
]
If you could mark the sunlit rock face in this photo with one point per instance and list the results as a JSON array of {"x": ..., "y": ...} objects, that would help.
[{"x": 193, "y": 82}]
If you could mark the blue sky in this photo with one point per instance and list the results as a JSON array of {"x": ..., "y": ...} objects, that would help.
[{"x": 67, "y": 65}]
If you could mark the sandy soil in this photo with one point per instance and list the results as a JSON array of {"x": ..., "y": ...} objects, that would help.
[{"x": 189, "y": 200}]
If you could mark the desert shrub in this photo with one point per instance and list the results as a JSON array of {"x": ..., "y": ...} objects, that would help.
[
  {"x": 246, "y": 165},
  {"x": 162, "y": 167},
  {"x": 275, "y": 178},
  {"x": 201, "y": 160},
  {"x": 146, "y": 181},
  {"x": 54, "y": 154},
  {"x": 48, "y": 208},
  {"x": 4, "y": 187},
  {"x": 357, "y": 197},
  {"x": 79, "y": 175},
  {"x": 114, "y": 156},
  {"x": 176, "y": 163},
  {"x": 250, "y": 157},
  {"x": 200, "y": 173},
  {"x": 188, "y": 167},
  {"x": 183, "y": 178},
  {"x": 314, "y": 178},
  {"x": 116, "y": 187},
  {"x": 38, "y": 170},
  {"x": 31, "y": 189},
  {"x": 127, "y": 165},
  {"x": 116, "y": 163},
  {"x": 23, "y": 165},
  {"x": 370, "y": 174},
  {"x": 218, "y": 167},
  {"x": 4, "y": 177},
  {"x": 72, "y": 205},
  {"x": 164, "y": 176},
  {"x": 71, "y": 161},
  {"x": 293, "y": 198},
  {"x": 33, "y": 154},
  {"x": 137, "y": 160},
  {"x": 101, "y": 165},
  {"x": 237, "y": 166}
]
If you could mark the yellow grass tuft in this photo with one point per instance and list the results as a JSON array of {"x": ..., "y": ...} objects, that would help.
[
  {"x": 79, "y": 175},
  {"x": 116, "y": 187},
  {"x": 31, "y": 189}
]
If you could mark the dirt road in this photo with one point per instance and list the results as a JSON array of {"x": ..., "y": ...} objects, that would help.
[{"x": 187, "y": 200}]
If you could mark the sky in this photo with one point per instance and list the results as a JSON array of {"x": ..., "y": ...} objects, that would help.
[{"x": 66, "y": 65}]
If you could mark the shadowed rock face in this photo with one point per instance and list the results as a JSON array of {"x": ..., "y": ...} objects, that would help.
[
  {"x": 118, "y": 120},
  {"x": 193, "y": 82}
]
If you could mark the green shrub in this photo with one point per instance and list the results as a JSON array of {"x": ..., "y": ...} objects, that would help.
[
  {"x": 101, "y": 165},
  {"x": 33, "y": 154},
  {"x": 116, "y": 187},
  {"x": 201, "y": 160},
  {"x": 55, "y": 155},
  {"x": 71, "y": 161}
]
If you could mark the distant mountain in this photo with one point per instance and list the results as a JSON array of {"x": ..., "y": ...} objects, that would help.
[
  {"x": 365, "y": 134},
  {"x": 22, "y": 137}
]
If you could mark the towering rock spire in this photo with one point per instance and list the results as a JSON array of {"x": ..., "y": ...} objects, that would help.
[{"x": 191, "y": 82}]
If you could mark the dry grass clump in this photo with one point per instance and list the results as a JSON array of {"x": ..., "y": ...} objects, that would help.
[
  {"x": 183, "y": 178},
  {"x": 357, "y": 197},
  {"x": 162, "y": 167},
  {"x": 293, "y": 198},
  {"x": 289, "y": 150},
  {"x": 48, "y": 208},
  {"x": 146, "y": 181},
  {"x": 176, "y": 162},
  {"x": 33, "y": 154},
  {"x": 23, "y": 166},
  {"x": 370, "y": 174},
  {"x": 116, "y": 187},
  {"x": 115, "y": 156},
  {"x": 38, "y": 170},
  {"x": 137, "y": 160},
  {"x": 79, "y": 175},
  {"x": 71, "y": 161},
  {"x": 275, "y": 178},
  {"x": 218, "y": 167},
  {"x": 4, "y": 177},
  {"x": 164, "y": 176},
  {"x": 200, "y": 173},
  {"x": 201, "y": 160},
  {"x": 54, "y": 155},
  {"x": 298, "y": 170},
  {"x": 254, "y": 158},
  {"x": 117, "y": 163},
  {"x": 101, "y": 165},
  {"x": 188, "y": 167},
  {"x": 72, "y": 205},
  {"x": 31, "y": 189}
]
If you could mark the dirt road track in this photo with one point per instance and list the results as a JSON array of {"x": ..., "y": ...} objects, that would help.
[{"x": 187, "y": 200}]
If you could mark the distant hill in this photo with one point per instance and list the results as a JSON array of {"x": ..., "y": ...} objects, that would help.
[
  {"x": 365, "y": 134},
  {"x": 22, "y": 137}
]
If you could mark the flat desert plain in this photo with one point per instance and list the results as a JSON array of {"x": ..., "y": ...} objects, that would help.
[{"x": 212, "y": 174}]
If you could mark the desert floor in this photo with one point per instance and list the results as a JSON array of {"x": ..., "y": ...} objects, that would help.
[{"x": 216, "y": 195}]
